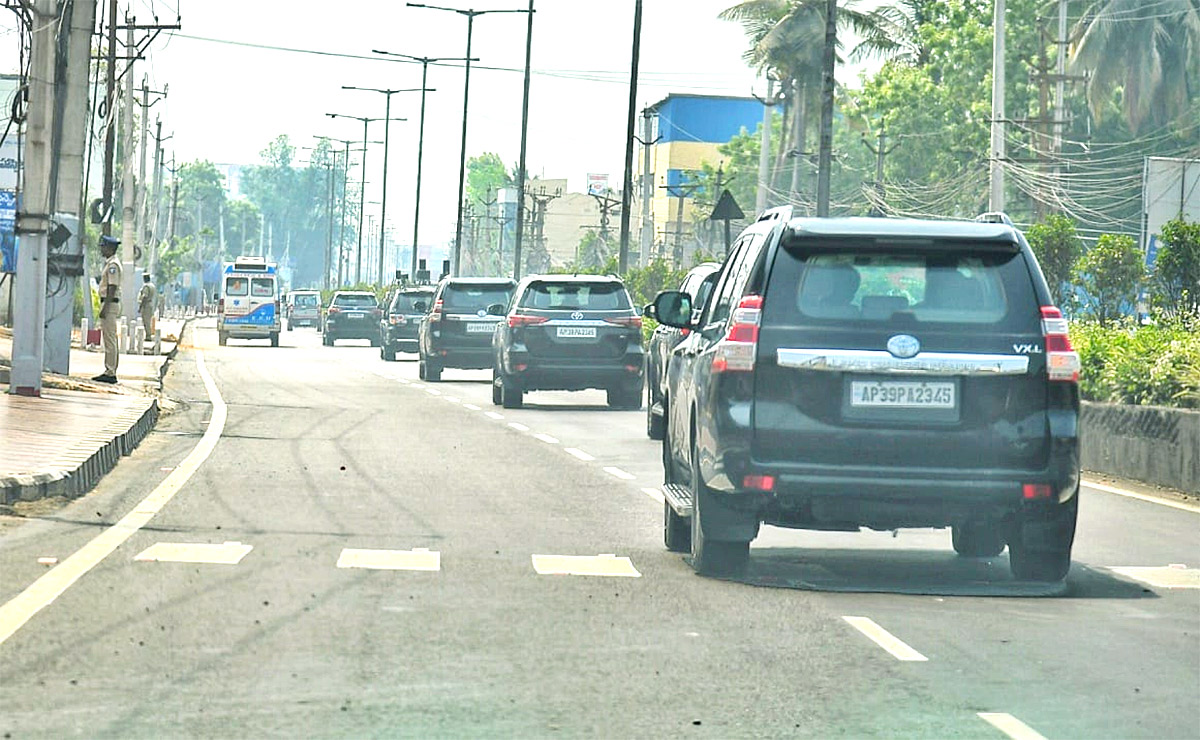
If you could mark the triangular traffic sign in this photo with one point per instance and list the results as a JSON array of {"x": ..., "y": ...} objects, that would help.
[{"x": 726, "y": 209}]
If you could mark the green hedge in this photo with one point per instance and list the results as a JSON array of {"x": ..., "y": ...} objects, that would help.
[{"x": 1155, "y": 364}]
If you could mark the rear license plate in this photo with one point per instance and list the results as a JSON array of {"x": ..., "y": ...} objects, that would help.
[
  {"x": 907, "y": 394},
  {"x": 355, "y": 315},
  {"x": 585, "y": 332},
  {"x": 480, "y": 328}
]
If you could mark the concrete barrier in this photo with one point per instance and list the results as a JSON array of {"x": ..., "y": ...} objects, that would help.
[{"x": 1147, "y": 443}]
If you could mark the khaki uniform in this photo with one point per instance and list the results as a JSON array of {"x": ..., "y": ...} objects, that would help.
[
  {"x": 147, "y": 300},
  {"x": 110, "y": 311}
]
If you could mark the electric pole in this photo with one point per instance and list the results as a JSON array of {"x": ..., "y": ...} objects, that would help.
[
  {"x": 825, "y": 150},
  {"x": 996, "y": 167},
  {"x": 627, "y": 182}
]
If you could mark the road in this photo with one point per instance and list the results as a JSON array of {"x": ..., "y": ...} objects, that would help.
[{"x": 381, "y": 559}]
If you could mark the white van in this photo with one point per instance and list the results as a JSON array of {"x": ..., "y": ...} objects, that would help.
[{"x": 249, "y": 304}]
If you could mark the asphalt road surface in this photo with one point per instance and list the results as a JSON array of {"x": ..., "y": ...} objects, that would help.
[{"x": 351, "y": 552}]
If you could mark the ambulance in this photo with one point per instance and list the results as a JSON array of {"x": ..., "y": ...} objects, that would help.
[{"x": 249, "y": 304}]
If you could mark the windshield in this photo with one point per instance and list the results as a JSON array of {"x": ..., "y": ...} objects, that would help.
[
  {"x": 568, "y": 296},
  {"x": 354, "y": 300},
  {"x": 469, "y": 298},
  {"x": 237, "y": 286},
  {"x": 304, "y": 301},
  {"x": 407, "y": 302}
]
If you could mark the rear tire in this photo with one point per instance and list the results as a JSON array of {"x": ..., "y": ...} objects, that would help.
[
  {"x": 274, "y": 339},
  {"x": 222, "y": 338},
  {"x": 327, "y": 340},
  {"x": 433, "y": 372},
  {"x": 511, "y": 395},
  {"x": 677, "y": 531},
  {"x": 1046, "y": 556},
  {"x": 977, "y": 539},
  {"x": 625, "y": 397},
  {"x": 289, "y": 326},
  {"x": 387, "y": 352},
  {"x": 497, "y": 391},
  {"x": 712, "y": 557},
  {"x": 655, "y": 425}
]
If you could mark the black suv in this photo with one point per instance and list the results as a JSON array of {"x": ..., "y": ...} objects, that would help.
[
  {"x": 457, "y": 331},
  {"x": 698, "y": 284},
  {"x": 401, "y": 320},
  {"x": 876, "y": 373},
  {"x": 570, "y": 332},
  {"x": 351, "y": 314}
]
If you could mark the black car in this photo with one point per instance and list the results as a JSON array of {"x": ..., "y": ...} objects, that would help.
[
  {"x": 401, "y": 320},
  {"x": 878, "y": 373},
  {"x": 698, "y": 284},
  {"x": 457, "y": 331},
  {"x": 570, "y": 332},
  {"x": 351, "y": 314}
]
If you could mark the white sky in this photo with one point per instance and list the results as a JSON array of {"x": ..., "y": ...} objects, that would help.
[{"x": 228, "y": 102}]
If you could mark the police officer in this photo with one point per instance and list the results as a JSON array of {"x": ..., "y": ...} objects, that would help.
[
  {"x": 147, "y": 302},
  {"x": 110, "y": 307}
]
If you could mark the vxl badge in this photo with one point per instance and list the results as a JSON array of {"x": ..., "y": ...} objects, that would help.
[
  {"x": 903, "y": 346},
  {"x": 577, "y": 315}
]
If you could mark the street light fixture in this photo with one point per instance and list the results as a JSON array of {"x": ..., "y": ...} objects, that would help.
[
  {"x": 365, "y": 120},
  {"x": 386, "y": 137},
  {"x": 425, "y": 62},
  {"x": 462, "y": 157}
]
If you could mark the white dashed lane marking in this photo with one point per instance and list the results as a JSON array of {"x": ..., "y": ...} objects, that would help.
[
  {"x": 655, "y": 494},
  {"x": 618, "y": 473},
  {"x": 415, "y": 559},
  {"x": 884, "y": 639},
  {"x": 574, "y": 452},
  {"x": 608, "y": 566},
  {"x": 471, "y": 407},
  {"x": 1170, "y": 576},
  {"x": 229, "y": 553},
  {"x": 494, "y": 415},
  {"x": 546, "y": 438},
  {"x": 518, "y": 427},
  {"x": 1011, "y": 726}
]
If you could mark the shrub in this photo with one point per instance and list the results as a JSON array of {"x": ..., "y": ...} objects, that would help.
[{"x": 1156, "y": 364}]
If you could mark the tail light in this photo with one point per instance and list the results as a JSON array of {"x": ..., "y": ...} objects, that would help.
[
  {"x": 436, "y": 313},
  {"x": 735, "y": 353},
  {"x": 1033, "y": 491},
  {"x": 520, "y": 319},
  {"x": 1062, "y": 361},
  {"x": 221, "y": 305},
  {"x": 334, "y": 310},
  {"x": 276, "y": 308},
  {"x": 397, "y": 320},
  {"x": 633, "y": 322}
]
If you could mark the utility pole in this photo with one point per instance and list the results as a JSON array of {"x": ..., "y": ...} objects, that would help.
[
  {"x": 541, "y": 200},
  {"x": 825, "y": 150},
  {"x": 128, "y": 189},
  {"x": 110, "y": 107},
  {"x": 996, "y": 167},
  {"x": 155, "y": 218},
  {"x": 627, "y": 182},
  {"x": 681, "y": 191},
  {"x": 143, "y": 211},
  {"x": 647, "y": 240},
  {"x": 880, "y": 151},
  {"x": 764, "y": 149}
]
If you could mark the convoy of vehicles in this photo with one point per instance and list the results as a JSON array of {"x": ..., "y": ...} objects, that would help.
[
  {"x": 401, "y": 320},
  {"x": 457, "y": 330},
  {"x": 302, "y": 308},
  {"x": 248, "y": 306},
  {"x": 352, "y": 314},
  {"x": 697, "y": 284}
]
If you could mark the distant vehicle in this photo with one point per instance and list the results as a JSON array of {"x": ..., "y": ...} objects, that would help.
[
  {"x": 457, "y": 331},
  {"x": 248, "y": 307},
  {"x": 302, "y": 308},
  {"x": 698, "y": 284},
  {"x": 352, "y": 314},
  {"x": 401, "y": 321},
  {"x": 569, "y": 332},
  {"x": 878, "y": 373}
]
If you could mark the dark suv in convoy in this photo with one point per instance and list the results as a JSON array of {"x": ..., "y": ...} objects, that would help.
[
  {"x": 698, "y": 284},
  {"x": 876, "y": 373},
  {"x": 457, "y": 331},
  {"x": 569, "y": 332},
  {"x": 401, "y": 320},
  {"x": 351, "y": 315}
]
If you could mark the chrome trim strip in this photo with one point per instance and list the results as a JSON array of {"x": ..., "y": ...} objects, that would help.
[{"x": 924, "y": 363}]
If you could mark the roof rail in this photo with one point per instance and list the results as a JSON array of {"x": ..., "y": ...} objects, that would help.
[
  {"x": 994, "y": 217},
  {"x": 780, "y": 213}
]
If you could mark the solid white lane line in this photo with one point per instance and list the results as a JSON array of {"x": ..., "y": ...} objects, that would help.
[
  {"x": 574, "y": 452},
  {"x": 618, "y": 473},
  {"x": 655, "y": 494},
  {"x": 1011, "y": 726},
  {"x": 42, "y": 592},
  {"x": 884, "y": 639},
  {"x": 546, "y": 438},
  {"x": 493, "y": 415},
  {"x": 471, "y": 407},
  {"x": 1143, "y": 497},
  {"x": 518, "y": 427}
]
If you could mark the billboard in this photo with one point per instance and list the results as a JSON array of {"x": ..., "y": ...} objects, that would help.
[
  {"x": 1171, "y": 188},
  {"x": 597, "y": 184}
]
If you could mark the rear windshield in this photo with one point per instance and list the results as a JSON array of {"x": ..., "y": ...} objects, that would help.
[
  {"x": 406, "y": 302},
  {"x": 472, "y": 298},
  {"x": 576, "y": 296},
  {"x": 357, "y": 300},
  {"x": 959, "y": 287},
  {"x": 304, "y": 301},
  {"x": 237, "y": 286},
  {"x": 262, "y": 287}
]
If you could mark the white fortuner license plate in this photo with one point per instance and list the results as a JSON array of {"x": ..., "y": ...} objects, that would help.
[
  {"x": 913, "y": 394},
  {"x": 480, "y": 328},
  {"x": 577, "y": 331}
]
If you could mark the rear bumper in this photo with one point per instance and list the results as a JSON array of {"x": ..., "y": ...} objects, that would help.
[
  {"x": 397, "y": 335},
  {"x": 351, "y": 331},
  {"x": 571, "y": 375},
  {"x": 463, "y": 358},
  {"x": 248, "y": 331}
]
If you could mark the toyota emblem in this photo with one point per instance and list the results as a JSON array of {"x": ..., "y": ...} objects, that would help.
[
  {"x": 577, "y": 315},
  {"x": 903, "y": 346}
]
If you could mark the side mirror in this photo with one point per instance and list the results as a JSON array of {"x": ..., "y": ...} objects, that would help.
[
  {"x": 497, "y": 309},
  {"x": 650, "y": 312},
  {"x": 420, "y": 306},
  {"x": 674, "y": 309}
]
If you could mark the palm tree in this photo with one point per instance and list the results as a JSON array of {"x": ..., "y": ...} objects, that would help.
[{"x": 1150, "y": 49}]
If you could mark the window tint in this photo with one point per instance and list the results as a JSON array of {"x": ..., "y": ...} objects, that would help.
[
  {"x": 705, "y": 289},
  {"x": 262, "y": 287},
  {"x": 237, "y": 286},
  {"x": 473, "y": 298},
  {"x": 736, "y": 273},
  {"x": 404, "y": 302},
  {"x": 576, "y": 296},
  {"x": 357, "y": 300},
  {"x": 305, "y": 301}
]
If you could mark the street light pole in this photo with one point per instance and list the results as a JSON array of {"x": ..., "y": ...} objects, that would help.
[
  {"x": 521, "y": 162},
  {"x": 362, "y": 191},
  {"x": 462, "y": 157}
]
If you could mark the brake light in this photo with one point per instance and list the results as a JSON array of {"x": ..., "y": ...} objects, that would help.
[
  {"x": 334, "y": 309},
  {"x": 221, "y": 305},
  {"x": 1062, "y": 361},
  {"x": 1031, "y": 491},
  {"x": 397, "y": 320},
  {"x": 759, "y": 482},
  {"x": 633, "y": 322},
  {"x": 436, "y": 313},
  {"x": 520, "y": 319},
  {"x": 735, "y": 353}
]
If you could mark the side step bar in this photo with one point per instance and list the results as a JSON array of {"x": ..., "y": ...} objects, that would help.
[
  {"x": 657, "y": 409},
  {"x": 679, "y": 497}
]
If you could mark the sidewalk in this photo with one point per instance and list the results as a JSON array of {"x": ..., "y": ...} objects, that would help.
[{"x": 62, "y": 443}]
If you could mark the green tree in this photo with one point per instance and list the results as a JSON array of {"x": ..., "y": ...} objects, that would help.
[
  {"x": 1177, "y": 267},
  {"x": 486, "y": 177},
  {"x": 1057, "y": 247},
  {"x": 1108, "y": 275},
  {"x": 201, "y": 197}
]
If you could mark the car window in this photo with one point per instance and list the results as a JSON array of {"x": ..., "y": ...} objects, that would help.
[
  {"x": 236, "y": 286},
  {"x": 405, "y": 302},
  {"x": 734, "y": 277},
  {"x": 704, "y": 290},
  {"x": 358, "y": 300},
  {"x": 574, "y": 296},
  {"x": 472, "y": 298},
  {"x": 305, "y": 301},
  {"x": 262, "y": 287}
]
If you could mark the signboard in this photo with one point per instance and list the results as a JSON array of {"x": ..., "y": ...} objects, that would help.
[
  {"x": 8, "y": 237},
  {"x": 597, "y": 184},
  {"x": 1171, "y": 189}
]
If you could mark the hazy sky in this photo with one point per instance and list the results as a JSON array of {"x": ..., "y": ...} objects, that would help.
[{"x": 227, "y": 102}]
